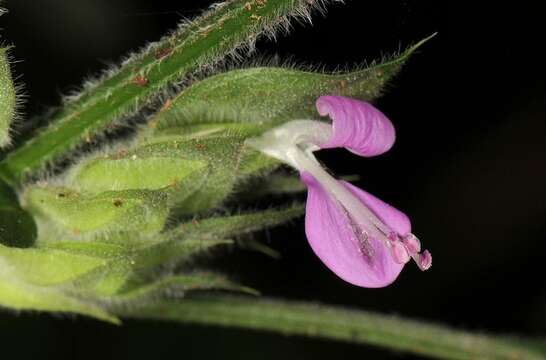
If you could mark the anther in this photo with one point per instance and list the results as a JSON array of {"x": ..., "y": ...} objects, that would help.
[
  {"x": 399, "y": 252},
  {"x": 425, "y": 260},
  {"x": 412, "y": 243}
]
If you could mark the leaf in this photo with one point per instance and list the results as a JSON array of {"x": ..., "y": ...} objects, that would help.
[
  {"x": 30, "y": 278},
  {"x": 129, "y": 172},
  {"x": 88, "y": 277},
  {"x": 330, "y": 322},
  {"x": 43, "y": 267},
  {"x": 222, "y": 153},
  {"x": 95, "y": 277},
  {"x": 195, "y": 169},
  {"x": 271, "y": 95},
  {"x": 126, "y": 272},
  {"x": 131, "y": 268},
  {"x": 122, "y": 91},
  {"x": 78, "y": 214}
]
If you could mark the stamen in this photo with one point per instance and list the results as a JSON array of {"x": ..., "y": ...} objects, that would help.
[
  {"x": 412, "y": 243},
  {"x": 362, "y": 237},
  {"x": 367, "y": 225},
  {"x": 399, "y": 252},
  {"x": 424, "y": 260},
  {"x": 404, "y": 247},
  {"x": 364, "y": 245}
]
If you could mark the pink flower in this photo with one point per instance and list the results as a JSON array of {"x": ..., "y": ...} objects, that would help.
[{"x": 363, "y": 240}]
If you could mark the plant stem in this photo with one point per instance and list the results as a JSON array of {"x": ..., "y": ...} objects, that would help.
[{"x": 298, "y": 318}]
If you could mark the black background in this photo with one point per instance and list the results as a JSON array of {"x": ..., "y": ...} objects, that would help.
[{"x": 468, "y": 168}]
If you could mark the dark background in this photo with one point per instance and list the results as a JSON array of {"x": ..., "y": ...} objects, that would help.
[{"x": 468, "y": 168}]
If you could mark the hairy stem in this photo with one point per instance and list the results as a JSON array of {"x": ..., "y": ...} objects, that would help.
[{"x": 297, "y": 318}]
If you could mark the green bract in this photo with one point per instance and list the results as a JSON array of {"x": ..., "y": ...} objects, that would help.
[
  {"x": 78, "y": 214},
  {"x": 99, "y": 277}
]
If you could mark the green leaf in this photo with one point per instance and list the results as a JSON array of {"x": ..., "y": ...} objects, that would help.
[
  {"x": 30, "y": 279},
  {"x": 222, "y": 153},
  {"x": 91, "y": 277},
  {"x": 47, "y": 266},
  {"x": 8, "y": 102},
  {"x": 129, "y": 268},
  {"x": 268, "y": 95},
  {"x": 130, "y": 172},
  {"x": 329, "y": 322},
  {"x": 95, "y": 277},
  {"x": 124, "y": 90},
  {"x": 78, "y": 214}
]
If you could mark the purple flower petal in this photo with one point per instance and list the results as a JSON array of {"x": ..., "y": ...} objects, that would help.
[
  {"x": 357, "y": 260},
  {"x": 357, "y": 126}
]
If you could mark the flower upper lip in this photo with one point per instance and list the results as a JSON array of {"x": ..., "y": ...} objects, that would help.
[{"x": 372, "y": 137}]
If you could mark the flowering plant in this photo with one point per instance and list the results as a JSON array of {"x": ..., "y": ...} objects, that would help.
[{"x": 115, "y": 224}]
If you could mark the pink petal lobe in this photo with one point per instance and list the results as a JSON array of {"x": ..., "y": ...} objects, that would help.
[
  {"x": 358, "y": 126},
  {"x": 334, "y": 240}
]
